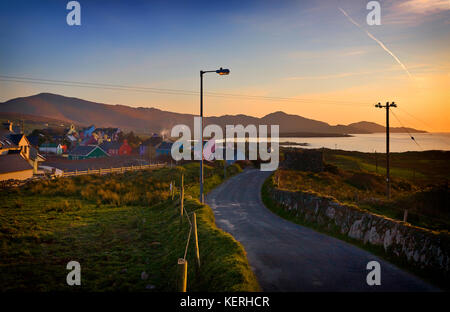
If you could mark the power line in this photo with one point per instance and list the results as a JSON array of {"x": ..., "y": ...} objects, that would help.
[
  {"x": 105, "y": 86},
  {"x": 427, "y": 125},
  {"x": 412, "y": 138}
]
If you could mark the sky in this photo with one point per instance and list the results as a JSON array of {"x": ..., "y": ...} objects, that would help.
[{"x": 323, "y": 54}]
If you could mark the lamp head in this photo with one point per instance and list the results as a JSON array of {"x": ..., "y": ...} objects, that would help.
[{"x": 222, "y": 71}]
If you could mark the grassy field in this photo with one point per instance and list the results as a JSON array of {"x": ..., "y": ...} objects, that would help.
[
  {"x": 418, "y": 167},
  {"x": 351, "y": 177},
  {"x": 117, "y": 226}
]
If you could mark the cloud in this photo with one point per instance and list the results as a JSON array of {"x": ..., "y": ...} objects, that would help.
[
  {"x": 423, "y": 7},
  {"x": 414, "y": 12},
  {"x": 320, "y": 54},
  {"x": 343, "y": 75}
]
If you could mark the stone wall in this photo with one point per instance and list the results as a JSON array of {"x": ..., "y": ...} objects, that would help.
[{"x": 422, "y": 248}]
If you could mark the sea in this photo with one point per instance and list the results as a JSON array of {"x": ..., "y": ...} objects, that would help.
[{"x": 376, "y": 142}]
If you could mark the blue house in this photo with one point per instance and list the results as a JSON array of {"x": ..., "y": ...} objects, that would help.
[{"x": 164, "y": 148}]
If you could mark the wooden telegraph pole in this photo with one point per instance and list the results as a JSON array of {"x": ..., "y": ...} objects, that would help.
[{"x": 388, "y": 181}]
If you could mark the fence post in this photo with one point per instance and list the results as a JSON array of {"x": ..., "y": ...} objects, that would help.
[
  {"x": 76, "y": 172},
  {"x": 172, "y": 183},
  {"x": 100, "y": 171},
  {"x": 197, "y": 251},
  {"x": 182, "y": 198},
  {"x": 405, "y": 215},
  {"x": 182, "y": 275}
]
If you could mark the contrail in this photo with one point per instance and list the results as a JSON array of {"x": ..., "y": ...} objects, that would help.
[{"x": 377, "y": 41}]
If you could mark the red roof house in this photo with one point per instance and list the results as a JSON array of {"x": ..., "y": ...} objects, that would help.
[{"x": 125, "y": 149}]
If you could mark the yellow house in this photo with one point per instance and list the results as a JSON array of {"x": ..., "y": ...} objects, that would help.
[{"x": 15, "y": 166}]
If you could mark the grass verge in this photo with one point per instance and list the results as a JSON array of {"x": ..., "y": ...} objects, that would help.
[{"x": 117, "y": 226}]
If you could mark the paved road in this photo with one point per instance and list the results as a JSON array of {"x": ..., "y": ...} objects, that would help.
[{"x": 289, "y": 257}]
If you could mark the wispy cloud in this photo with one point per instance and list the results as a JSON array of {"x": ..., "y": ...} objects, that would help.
[
  {"x": 343, "y": 75},
  {"x": 381, "y": 44},
  {"x": 321, "y": 54},
  {"x": 414, "y": 12},
  {"x": 424, "y": 7}
]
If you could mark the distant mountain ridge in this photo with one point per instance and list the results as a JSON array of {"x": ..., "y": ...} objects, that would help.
[{"x": 149, "y": 120}]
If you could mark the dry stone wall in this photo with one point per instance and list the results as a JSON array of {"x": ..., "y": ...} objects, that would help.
[{"x": 420, "y": 247}]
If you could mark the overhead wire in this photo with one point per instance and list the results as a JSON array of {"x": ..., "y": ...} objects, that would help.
[
  {"x": 120, "y": 87},
  {"x": 412, "y": 138},
  {"x": 425, "y": 124}
]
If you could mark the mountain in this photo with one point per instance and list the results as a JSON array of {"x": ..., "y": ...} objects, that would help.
[
  {"x": 148, "y": 120},
  {"x": 372, "y": 127}
]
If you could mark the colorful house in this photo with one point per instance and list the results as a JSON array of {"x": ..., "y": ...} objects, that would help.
[
  {"x": 51, "y": 148},
  {"x": 87, "y": 151},
  {"x": 148, "y": 144},
  {"x": 112, "y": 148},
  {"x": 125, "y": 149},
  {"x": 15, "y": 166},
  {"x": 164, "y": 148}
]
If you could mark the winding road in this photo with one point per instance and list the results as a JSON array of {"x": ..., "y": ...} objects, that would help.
[{"x": 289, "y": 257}]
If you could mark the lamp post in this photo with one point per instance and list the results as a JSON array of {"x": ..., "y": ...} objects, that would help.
[{"x": 221, "y": 72}]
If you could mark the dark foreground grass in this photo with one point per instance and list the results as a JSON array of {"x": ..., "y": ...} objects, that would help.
[
  {"x": 117, "y": 226},
  {"x": 428, "y": 205},
  {"x": 429, "y": 276}
]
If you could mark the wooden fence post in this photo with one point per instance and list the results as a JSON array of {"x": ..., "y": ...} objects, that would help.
[
  {"x": 197, "y": 251},
  {"x": 182, "y": 198},
  {"x": 182, "y": 275},
  {"x": 405, "y": 215},
  {"x": 173, "y": 189}
]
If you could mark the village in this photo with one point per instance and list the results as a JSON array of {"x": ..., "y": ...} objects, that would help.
[{"x": 53, "y": 152}]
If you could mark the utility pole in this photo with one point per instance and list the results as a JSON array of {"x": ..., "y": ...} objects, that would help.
[
  {"x": 201, "y": 142},
  {"x": 388, "y": 180}
]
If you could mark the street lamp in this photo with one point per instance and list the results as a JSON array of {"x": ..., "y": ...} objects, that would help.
[{"x": 221, "y": 72}]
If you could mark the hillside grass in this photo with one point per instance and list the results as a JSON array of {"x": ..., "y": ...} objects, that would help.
[
  {"x": 352, "y": 178},
  {"x": 117, "y": 226},
  {"x": 417, "y": 167}
]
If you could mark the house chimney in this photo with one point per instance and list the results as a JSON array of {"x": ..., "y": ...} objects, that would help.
[{"x": 10, "y": 126}]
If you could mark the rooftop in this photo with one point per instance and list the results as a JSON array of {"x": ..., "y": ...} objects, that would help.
[
  {"x": 12, "y": 163},
  {"x": 82, "y": 150}
]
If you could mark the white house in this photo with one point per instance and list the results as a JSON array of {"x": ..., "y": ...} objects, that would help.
[{"x": 51, "y": 148}]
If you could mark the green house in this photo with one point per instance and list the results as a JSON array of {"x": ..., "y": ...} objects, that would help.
[{"x": 86, "y": 152}]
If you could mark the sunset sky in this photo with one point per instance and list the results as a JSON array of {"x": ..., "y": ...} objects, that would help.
[{"x": 308, "y": 50}]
